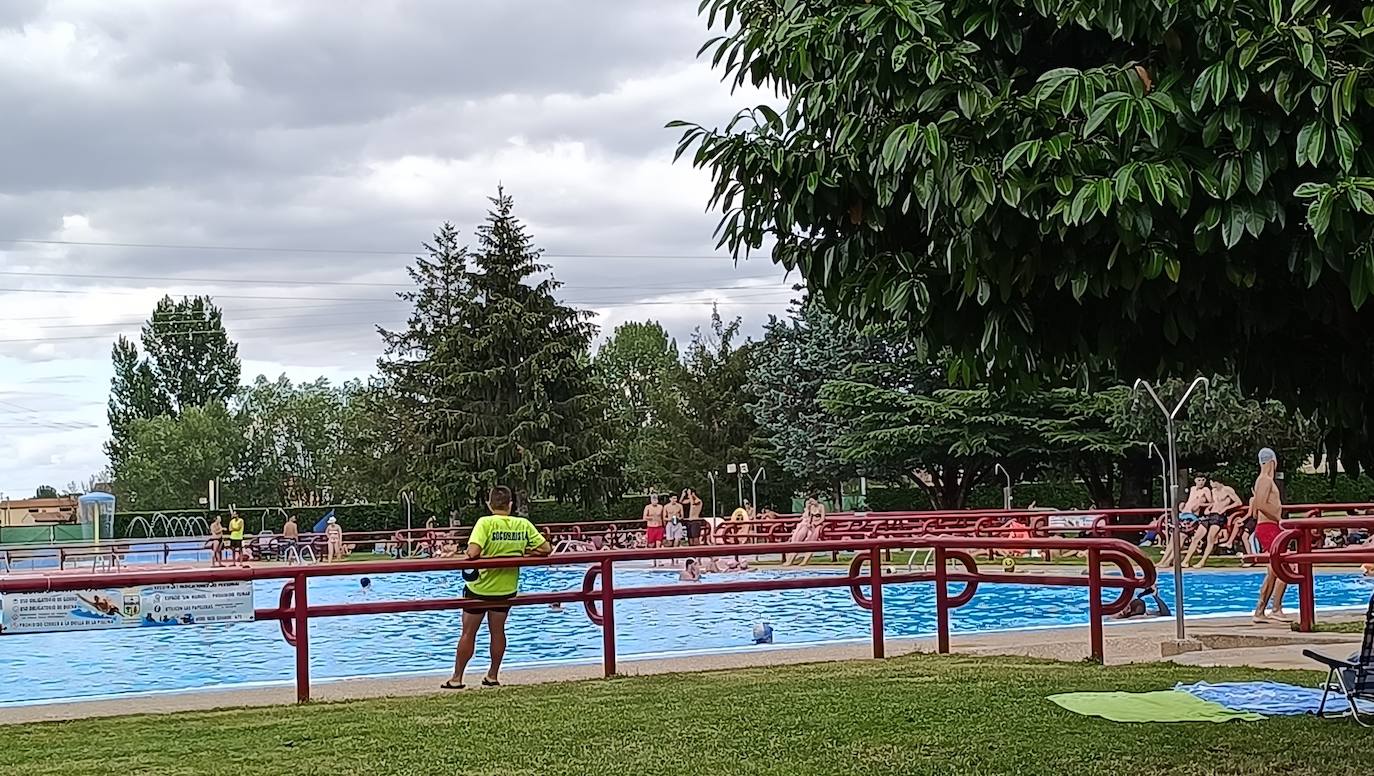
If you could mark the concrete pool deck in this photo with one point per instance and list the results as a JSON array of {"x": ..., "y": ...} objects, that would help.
[{"x": 1227, "y": 641}]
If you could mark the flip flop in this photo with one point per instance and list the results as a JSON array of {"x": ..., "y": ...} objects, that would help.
[
  {"x": 490, "y": 683},
  {"x": 449, "y": 685}
]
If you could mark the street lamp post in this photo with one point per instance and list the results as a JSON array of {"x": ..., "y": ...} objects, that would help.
[
  {"x": 739, "y": 470},
  {"x": 1171, "y": 487},
  {"x": 754, "y": 486},
  {"x": 407, "y": 500},
  {"x": 712, "y": 477},
  {"x": 1006, "y": 489}
]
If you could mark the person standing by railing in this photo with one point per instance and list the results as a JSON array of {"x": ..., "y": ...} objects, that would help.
[
  {"x": 654, "y": 532},
  {"x": 697, "y": 532},
  {"x": 1267, "y": 509},
  {"x": 333, "y": 539},
  {"x": 236, "y": 538},
  {"x": 216, "y": 542},
  {"x": 498, "y": 535},
  {"x": 290, "y": 534}
]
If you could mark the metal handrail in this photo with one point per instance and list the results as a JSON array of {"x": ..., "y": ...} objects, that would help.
[
  {"x": 598, "y": 592},
  {"x": 1292, "y": 556}
]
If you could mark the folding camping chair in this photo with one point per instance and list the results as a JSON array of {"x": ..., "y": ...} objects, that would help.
[{"x": 1353, "y": 678}]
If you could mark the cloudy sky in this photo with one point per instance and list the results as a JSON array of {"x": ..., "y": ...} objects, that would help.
[{"x": 245, "y": 131}]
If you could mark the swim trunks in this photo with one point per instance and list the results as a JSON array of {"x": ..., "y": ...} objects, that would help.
[
  {"x": 654, "y": 534},
  {"x": 1266, "y": 533}
]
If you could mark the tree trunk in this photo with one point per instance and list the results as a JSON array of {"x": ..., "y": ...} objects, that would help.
[
  {"x": 1099, "y": 487},
  {"x": 1137, "y": 483}
]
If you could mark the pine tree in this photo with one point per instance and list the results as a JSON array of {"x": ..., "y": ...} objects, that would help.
[
  {"x": 419, "y": 399},
  {"x": 531, "y": 411},
  {"x": 794, "y": 359},
  {"x": 490, "y": 382}
]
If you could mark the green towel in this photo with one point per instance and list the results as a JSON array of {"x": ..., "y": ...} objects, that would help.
[{"x": 1162, "y": 706}]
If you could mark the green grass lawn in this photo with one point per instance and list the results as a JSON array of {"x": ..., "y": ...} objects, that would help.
[{"x": 912, "y": 715}]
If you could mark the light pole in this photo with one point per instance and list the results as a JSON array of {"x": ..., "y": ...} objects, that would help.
[
  {"x": 1006, "y": 490},
  {"x": 1163, "y": 471},
  {"x": 1169, "y": 417},
  {"x": 407, "y": 500},
  {"x": 712, "y": 477},
  {"x": 739, "y": 470},
  {"x": 754, "y": 486}
]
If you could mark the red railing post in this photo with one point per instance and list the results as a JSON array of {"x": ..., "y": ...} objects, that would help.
[
  {"x": 1095, "y": 604},
  {"x": 607, "y": 618},
  {"x": 1307, "y": 594},
  {"x": 300, "y": 613},
  {"x": 941, "y": 603},
  {"x": 875, "y": 583}
]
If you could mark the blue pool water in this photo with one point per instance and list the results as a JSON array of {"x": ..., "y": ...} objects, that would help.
[{"x": 101, "y": 663}]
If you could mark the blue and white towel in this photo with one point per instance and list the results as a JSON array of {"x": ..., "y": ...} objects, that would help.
[{"x": 1271, "y": 699}]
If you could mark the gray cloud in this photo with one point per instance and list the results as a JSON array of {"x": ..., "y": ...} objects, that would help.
[{"x": 358, "y": 124}]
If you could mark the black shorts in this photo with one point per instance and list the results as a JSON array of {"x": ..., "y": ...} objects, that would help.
[
  {"x": 1217, "y": 520},
  {"x": 694, "y": 528},
  {"x": 467, "y": 593},
  {"x": 1249, "y": 524},
  {"x": 235, "y": 544}
]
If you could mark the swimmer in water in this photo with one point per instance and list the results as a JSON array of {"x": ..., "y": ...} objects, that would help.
[
  {"x": 366, "y": 584},
  {"x": 690, "y": 572}
]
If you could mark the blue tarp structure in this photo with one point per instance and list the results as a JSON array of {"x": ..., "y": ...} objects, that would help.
[{"x": 324, "y": 522}]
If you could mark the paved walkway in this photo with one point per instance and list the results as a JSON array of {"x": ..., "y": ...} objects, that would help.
[{"x": 1227, "y": 642}]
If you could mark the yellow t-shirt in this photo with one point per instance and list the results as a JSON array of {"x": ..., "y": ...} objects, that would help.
[
  {"x": 502, "y": 536},
  {"x": 236, "y": 528}
]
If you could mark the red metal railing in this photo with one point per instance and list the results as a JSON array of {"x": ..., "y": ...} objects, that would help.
[
  {"x": 1293, "y": 554},
  {"x": 598, "y": 592}
]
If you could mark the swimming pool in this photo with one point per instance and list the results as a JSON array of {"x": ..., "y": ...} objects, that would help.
[{"x": 53, "y": 666}]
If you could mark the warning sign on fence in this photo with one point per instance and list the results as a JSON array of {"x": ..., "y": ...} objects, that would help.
[{"x": 143, "y": 606}]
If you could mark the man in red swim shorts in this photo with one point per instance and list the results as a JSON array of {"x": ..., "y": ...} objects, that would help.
[
  {"x": 653, "y": 518},
  {"x": 1267, "y": 509}
]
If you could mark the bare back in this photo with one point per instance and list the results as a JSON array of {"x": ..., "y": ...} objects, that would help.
[{"x": 1266, "y": 503}]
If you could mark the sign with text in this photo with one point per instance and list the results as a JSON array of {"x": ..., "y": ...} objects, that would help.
[{"x": 143, "y": 606}]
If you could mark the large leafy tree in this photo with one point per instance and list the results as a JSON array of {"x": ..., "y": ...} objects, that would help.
[
  {"x": 295, "y": 438},
  {"x": 718, "y": 427},
  {"x": 1154, "y": 186},
  {"x": 170, "y": 460},
  {"x": 643, "y": 378},
  {"x": 188, "y": 361}
]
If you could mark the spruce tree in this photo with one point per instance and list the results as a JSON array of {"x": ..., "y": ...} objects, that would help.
[
  {"x": 419, "y": 398},
  {"x": 531, "y": 411}
]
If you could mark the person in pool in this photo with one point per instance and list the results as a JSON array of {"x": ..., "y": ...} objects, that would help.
[
  {"x": 690, "y": 572},
  {"x": 1137, "y": 607}
]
